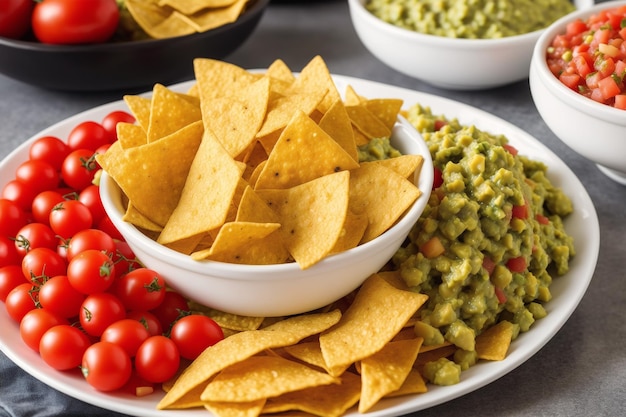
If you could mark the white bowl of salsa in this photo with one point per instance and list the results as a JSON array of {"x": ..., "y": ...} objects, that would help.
[
  {"x": 585, "y": 112},
  {"x": 463, "y": 62}
]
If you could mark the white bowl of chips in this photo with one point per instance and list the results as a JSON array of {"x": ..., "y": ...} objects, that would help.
[{"x": 279, "y": 289}]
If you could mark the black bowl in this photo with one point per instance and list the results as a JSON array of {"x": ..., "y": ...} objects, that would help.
[{"x": 123, "y": 65}]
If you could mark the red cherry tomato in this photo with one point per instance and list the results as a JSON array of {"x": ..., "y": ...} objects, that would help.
[
  {"x": 40, "y": 264},
  {"x": 170, "y": 309},
  {"x": 106, "y": 366},
  {"x": 148, "y": 320},
  {"x": 88, "y": 135},
  {"x": 194, "y": 333},
  {"x": 10, "y": 277},
  {"x": 157, "y": 359},
  {"x": 127, "y": 333},
  {"x": 49, "y": 149},
  {"x": 20, "y": 193},
  {"x": 75, "y": 22},
  {"x": 12, "y": 217},
  {"x": 70, "y": 217},
  {"x": 90, "y": 239},
  {"x": 91, "y": 271},
  {"x": 43, "y": 203},
  {"x": 99, "y": 311},
  {"x": 59, "y": 297},
  {"x": 141, "y": 289},
  {"x": 20, "y": 301},
  {"x": 8, "y": 252},
  {"x": 90, "y": 197},
  {"x": 79, "y": 169},
  {"x": 15, "y": 18},
  {"x": 35, "y": 235},
  {"x": 111, "y": 120},
  {"x": 35, "y": 323},
  {"x": 62, "y": 347},
  {"x": 38, "y": 175}
]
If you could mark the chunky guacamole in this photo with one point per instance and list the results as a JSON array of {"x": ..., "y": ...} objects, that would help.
[
  {"x": 491, "y": 238},
  {"x": 482, "y": 19}
]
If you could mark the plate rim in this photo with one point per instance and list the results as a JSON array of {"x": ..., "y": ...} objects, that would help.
[{"x": 476, "y": 377}]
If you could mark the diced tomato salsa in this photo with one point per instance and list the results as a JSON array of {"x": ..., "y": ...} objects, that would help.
[{"x": 590, "y": 57}]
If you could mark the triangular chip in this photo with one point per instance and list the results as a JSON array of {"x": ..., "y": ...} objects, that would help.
[
  {"x": 217, "y": 78},
  {"x": 385, "y": 109},
  {"x": 153, "y": 175},
  {"x": 236, "y": 119},
  {"x": 367, "y": 123},
  {"x": 315, "y": 76},
  {"x": 385, "y": 371},
  {"x": 382, "y": 195},
  {"x": 240, "y": 346},
  {"x": 130, "y": 135},
  {"x": 303, "y": 153},
  {"x": 493, "y": 344},
  {"x": 260, "y": 377},
  {"x": 169, "y": 112},
  {"x": 337, "y": 124},
  {"x": 140, "y": 108},
  {"x": 207, "y": 195},
  {"x": 378, "y": 312},
  {"x": 312, "y": 215},
  {"x": 211, "y": 18}
]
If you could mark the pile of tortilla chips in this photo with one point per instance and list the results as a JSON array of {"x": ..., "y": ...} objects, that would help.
[
  {"x": 352, "y": 354},
  {"x": 255, "y": 168},
  {"x": 170, "y": 18}
]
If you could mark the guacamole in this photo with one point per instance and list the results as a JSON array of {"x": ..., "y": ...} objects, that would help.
[
  {"x": 478, "y": 19},
  {"x": 498, "y": 220}
]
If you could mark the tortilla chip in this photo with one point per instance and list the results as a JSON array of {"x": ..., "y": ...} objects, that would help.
[
  {"x": 493, "y": 344},
  {"x": 378, "y": 312}
]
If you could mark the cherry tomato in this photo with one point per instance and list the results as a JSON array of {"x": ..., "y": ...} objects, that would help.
[
  {"x": 40, "y": 264},
  {"x": 141, "y": 289},
  {"x": 99, "y": 311},
  {"x": 10, "y": 277},
  {"x": 173, "y": 306},
  {"x": 20, "y": 301},
  {"x": 75, "y": 22},
  {"x": 90, "y": 197},
  {"x": 91, "y": 239},
  {"x": 124, "y": 258},
  {"x": 35, "y": 323},
  {"x": 50, "y": 149},
  {"x": 88, "y": 135},
  {"x": 79, "y": 168},
  {"x": 15, "y": 18},
  {"x": 91, "y": 271},
  {"x": 127, "y": 333},
  {"x": 148, "y": 320},
  {"x": 70, "y": 217},
  {"x": 58, "y": 296},
  {"x": 35, "y": 235},
  {"x": 43, "y": 203},
  {"x": 106, "y": 225},
  {"x": 8, "y": 252},
  {"x": 20, "y": 193},
  {"x": 157, "y": 359},
  {"x": 106, "y": 366},
  {"x": 37, "y": 175},
  {"x": 12, "y": 217},
  {"x": 194, "y": 333},
  {"x": 62, "y": 347},
  {"x": 111, "y": 120}
]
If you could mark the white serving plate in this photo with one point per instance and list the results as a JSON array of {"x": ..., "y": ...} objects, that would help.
[{"x": 567, "y": 290}]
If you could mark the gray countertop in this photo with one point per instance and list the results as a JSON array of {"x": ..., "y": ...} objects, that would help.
[{"x": 580, "y": 372}]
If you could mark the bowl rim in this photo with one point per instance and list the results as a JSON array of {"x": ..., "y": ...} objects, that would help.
[
  {"x": 553, "y": 84},
  {"x": 358, "y": 6},
  {"x": 256, "y": 6},
  {"x": 246, "y": 271}
]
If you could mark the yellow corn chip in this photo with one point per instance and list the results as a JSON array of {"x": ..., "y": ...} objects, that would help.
[
  {"x": 312, "y": 215},
  {"x": 376, "y": 315},
  {"x": 303, "y": 153},
  {"x": 385, "y": 371},
  {"x": 261, "y": 377},
  {"x": 169, "y": 112},
  {"x": 493, "y": 344}
]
